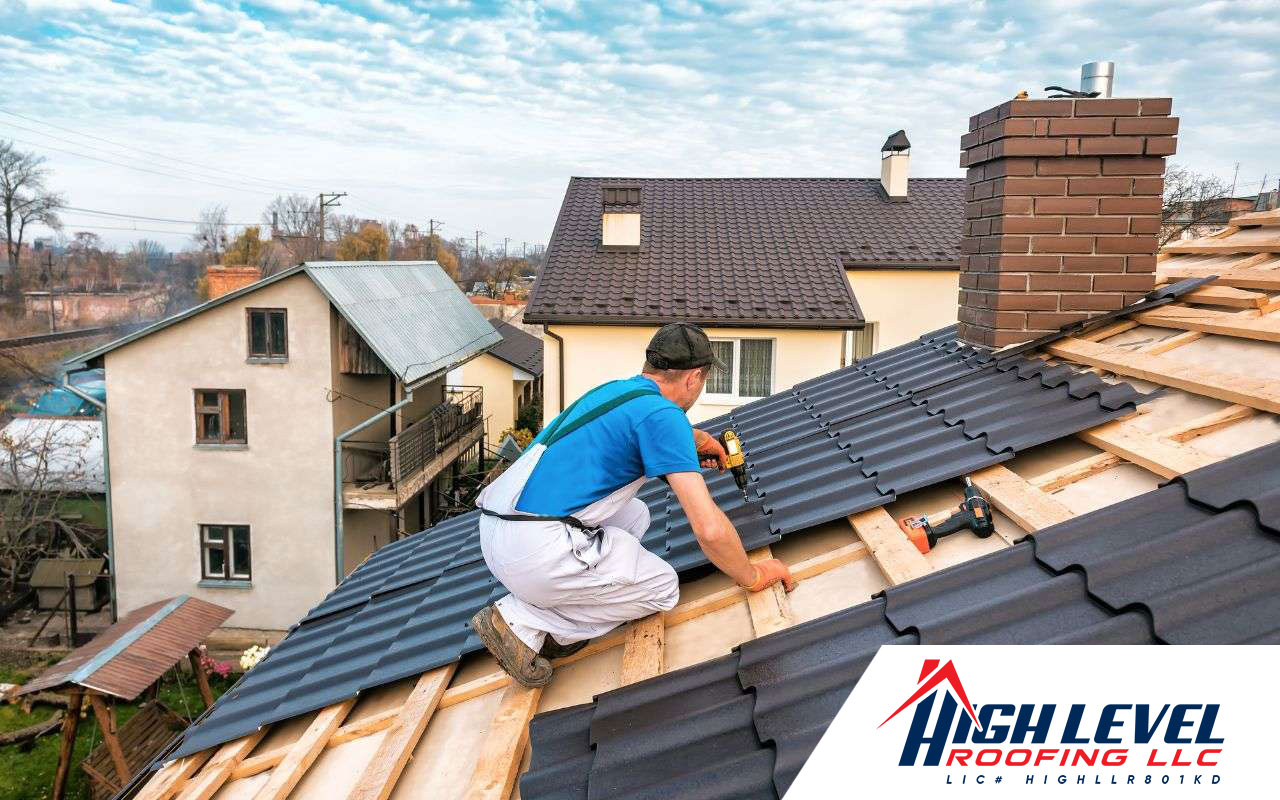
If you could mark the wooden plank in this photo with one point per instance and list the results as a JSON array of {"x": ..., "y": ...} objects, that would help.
[
  {"x": 67, "y": 746},
  {"x": 1225, "y": 296},
  {"x": 170, "y": 778},
  {"x": 1146, "y": 450},
  {"x": 1208, "y": 423},
  {"x": 215, "y": 773},
  {"x": 504, "y": 745},
  {"x": 305, "y": 751},
  {"x": 1255, "y": 391},
  {"x": 1107, "y": 331},
  {"x": 1239, "y": 278},
  {"x": 107, "y": 722},
  {"x": 1029, "y": 507},
  {"x": 770, "y": 609},
  {"x": 682, "y": 613},
  {"x": 642, "y": 654},
  {"x": 202, "y": 678},
  {"x": 1204, "y": 320},
  {"x": 1066, "y": 475},
  {"x": 383, "y": 770},
  {"x": 1224, "y": 246},
  {"x": 1172, "y": 343},
  {"x": 893, "y": 552},
  {"x": 349, "y": 732}
]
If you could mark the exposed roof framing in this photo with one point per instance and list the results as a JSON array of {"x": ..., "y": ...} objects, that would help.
[{"x": 842, "y": 563}]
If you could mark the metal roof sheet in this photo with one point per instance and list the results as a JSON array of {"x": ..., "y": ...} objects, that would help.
[
  {"x": 518, "y": 347},
  {"x": 1196, "y": 561},
  {"x": 130, "y": 655},
  {"x": 404, "y": 610},
  {"x": 410, "y": 312}
]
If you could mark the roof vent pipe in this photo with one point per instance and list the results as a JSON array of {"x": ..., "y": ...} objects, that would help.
[{"x": 1097, "y": 76}]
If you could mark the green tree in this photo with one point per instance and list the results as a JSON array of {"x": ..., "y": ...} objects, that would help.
[
  {"x": 370, "y": 243},
  {"x": 246, "y": 249}
]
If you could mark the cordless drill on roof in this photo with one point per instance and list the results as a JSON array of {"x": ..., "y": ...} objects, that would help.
[{"x": 973, "y": 513}]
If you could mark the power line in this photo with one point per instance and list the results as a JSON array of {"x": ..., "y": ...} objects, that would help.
[
  {"x": 131, "y": 147},
  {"x": 151, "y": 219}
]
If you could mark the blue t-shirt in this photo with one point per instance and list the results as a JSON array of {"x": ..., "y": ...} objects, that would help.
[{"x": 647, "y": 436}]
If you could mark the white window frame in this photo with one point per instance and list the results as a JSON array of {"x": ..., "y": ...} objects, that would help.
[{"x": 734, "y": 376}]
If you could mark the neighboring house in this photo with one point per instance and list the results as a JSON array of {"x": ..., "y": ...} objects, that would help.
[
  {"x": 223, "y": 422},
  {"x": 59, "y": 458},
  {"x": 510, "y": 374},
  {"x": 765, "y": 264}
]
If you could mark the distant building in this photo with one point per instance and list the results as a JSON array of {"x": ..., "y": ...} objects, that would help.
[
  {"x": 73, "y": 308},
  {"x": 510, "y": 374},
  {"x": 223, "y": 423}
]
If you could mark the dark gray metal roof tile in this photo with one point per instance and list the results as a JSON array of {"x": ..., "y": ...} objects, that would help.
[{"x": 559, "y": 770}]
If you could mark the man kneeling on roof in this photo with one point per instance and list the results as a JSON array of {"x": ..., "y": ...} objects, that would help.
[{"x": 561, "y": 527}]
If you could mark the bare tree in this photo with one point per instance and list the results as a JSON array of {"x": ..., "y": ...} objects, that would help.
[
  {"x": 294, "y": 219},
  {"x": 145, "y": 257},
  {"x": 1193, "y": 203},
  {"x": 211, "y": 232},
  {"x": 24, "y": 199}
]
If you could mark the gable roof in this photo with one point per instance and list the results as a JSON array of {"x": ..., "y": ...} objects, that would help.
[
  {"x": 410, "y": 313},
  {"x": 518, "y": 348},
  {"x": 765, "y": 252}
]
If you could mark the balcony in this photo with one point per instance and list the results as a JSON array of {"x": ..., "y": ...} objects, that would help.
[{"x": 383, "y": 477}]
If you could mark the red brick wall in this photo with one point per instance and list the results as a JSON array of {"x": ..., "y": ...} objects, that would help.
[
  {"x": 1063, "y": 210},
  {"x": 224, "y": 280}
]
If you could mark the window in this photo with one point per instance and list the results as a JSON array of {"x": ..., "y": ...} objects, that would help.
[
  {"x": 268, "y": 334},
  {"x": 224, "y": 552},
  {"x": 220, "y": 416},
  {"x": 748, "y": 369}
]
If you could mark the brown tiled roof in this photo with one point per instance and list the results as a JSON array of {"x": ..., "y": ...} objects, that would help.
[
  {"x": 518, "y": 348},
  {"x": 759, "y": 251}
]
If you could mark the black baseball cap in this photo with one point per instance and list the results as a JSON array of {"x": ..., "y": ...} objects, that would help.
[{"x": 681, "y": 346}]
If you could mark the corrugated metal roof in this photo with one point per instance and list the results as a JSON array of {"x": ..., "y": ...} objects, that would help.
[
  {"x": 1196, "y": 561},
  {"x": 410, "y": 312},
  {"x": 404, "y": 610},
  {"x": 133, "y": 653}
]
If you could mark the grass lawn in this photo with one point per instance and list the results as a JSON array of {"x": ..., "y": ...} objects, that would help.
[{"x": 29, "y": 775}]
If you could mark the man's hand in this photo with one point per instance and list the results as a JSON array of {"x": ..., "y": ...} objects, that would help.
[
  {"x": 768, "y": 572},
  {"x": 710, "y": 452}
]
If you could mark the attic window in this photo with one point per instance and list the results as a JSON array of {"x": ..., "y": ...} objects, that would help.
[{"x": 621, "y": 197}]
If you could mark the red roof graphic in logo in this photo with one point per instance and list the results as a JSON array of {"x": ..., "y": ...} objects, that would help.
[{"x": 946, "y": 673}]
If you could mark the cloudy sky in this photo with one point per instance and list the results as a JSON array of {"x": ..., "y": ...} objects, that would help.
[{"x": 477, "y": 113}]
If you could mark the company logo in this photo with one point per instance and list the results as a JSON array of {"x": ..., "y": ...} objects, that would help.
[
  {"x": 994, "y": 734},
  {"x": 936, "y": 676}
]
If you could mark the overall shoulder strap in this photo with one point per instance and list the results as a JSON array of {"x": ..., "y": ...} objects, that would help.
[{"x": 559, "y": 431}]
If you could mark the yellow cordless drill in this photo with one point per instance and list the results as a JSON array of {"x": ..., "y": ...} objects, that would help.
[{"x": 737, "y": 461}]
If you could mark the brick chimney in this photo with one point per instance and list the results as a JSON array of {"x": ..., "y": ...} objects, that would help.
[
  {"x": 1063, "y": 209},
  {"x": 227, "y": 279}
]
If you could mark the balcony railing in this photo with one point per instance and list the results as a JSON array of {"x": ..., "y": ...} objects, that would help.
[{"x": 428, "y": 444}]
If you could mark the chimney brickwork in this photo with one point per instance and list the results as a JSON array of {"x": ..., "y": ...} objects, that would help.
[
  {"x": 1064, "y": 200},
  {"x": 227, "y": 279}
]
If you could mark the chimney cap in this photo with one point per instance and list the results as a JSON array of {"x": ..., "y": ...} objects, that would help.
[{"x": 896, "y": 143}]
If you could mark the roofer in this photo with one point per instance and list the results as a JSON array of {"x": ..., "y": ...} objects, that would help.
[{"x": 561, "y": 527}]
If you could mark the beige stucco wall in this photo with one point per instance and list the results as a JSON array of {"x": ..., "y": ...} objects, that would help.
[
  {"x": 281, "y": 484},
  {"x": 497, "y": 378},
  {"x": 905, "y": 303},
  {"x": 595, "y": 354}
]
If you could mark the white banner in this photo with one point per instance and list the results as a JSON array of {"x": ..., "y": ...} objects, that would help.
[{"x": 1023, "y": 721}]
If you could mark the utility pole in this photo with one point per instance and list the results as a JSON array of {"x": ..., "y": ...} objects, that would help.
[
  {"x": 478, "y": 246},
  {"x": 431, "y": 236},
  {"x": 1234, "y": 177},
  {"x": 524, "y": 249},
  {"x": 505, "y": 239},
  {"x": 327, "y": 200}
]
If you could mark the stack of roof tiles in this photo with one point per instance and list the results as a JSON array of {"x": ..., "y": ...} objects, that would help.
[
  {"x": 1196, "y": 561},
  {"x": 768, "y": 251},
  {"x": 838, "y": 444}
]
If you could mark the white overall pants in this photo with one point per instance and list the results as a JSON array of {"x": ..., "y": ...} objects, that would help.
[{"x": 564, "y": 581}]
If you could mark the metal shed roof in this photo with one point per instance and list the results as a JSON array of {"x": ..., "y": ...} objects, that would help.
[
  {"x": 410, "y": 313},
  {"x": 129, "y": 656}
]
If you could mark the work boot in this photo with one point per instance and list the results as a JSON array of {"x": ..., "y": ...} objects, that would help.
[
  {"x": 519, "y": 661},
  {"x": 551, "y": 649}
]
